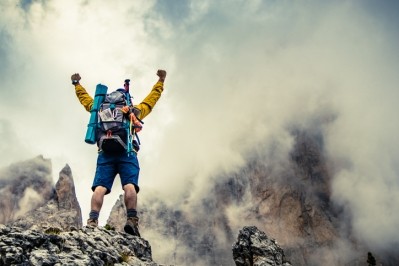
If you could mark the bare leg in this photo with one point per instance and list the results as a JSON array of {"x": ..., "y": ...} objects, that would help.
[
  {"x": 97, "y": 198},
  {"x": 130, "y": 196}
]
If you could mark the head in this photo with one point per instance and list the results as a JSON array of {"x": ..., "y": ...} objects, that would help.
[{"x": 126, "y": 85}]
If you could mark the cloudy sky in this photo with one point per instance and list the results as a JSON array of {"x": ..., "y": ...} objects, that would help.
[{"x": 239, "y": 73}]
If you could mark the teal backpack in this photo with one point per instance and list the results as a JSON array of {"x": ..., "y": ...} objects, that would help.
[{"x": 109, "y": 127}]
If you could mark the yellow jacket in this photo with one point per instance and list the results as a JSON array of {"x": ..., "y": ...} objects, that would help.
[{"x": 145, "y": 106}]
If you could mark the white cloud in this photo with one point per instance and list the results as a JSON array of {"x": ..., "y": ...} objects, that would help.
[{"x": 238, "y": 75}]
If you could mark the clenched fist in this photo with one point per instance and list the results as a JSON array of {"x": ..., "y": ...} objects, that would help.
[
  {"x": 161, "y": 74},
  {"x": 75, "y": 78}
]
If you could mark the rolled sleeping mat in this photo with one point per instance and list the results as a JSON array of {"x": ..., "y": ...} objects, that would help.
[{"x": 101, "y": 92}]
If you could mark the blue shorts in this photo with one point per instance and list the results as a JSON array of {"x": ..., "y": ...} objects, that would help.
[{"x": 109, "y": 165}]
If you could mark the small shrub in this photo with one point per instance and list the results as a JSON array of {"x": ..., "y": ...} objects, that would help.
[
  {"x": 53, "y": 231},
  {"x": 125, "y": 256},
  {"x": 109, "y": 227}
]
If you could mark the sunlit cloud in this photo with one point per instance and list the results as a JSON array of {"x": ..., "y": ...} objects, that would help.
[{"x": 239, "y": 75}]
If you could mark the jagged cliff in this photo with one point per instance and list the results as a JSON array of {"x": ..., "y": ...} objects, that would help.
[
  {"x": 52, "y": 234},
  {"x": 61, "y": 211},
  {"x": 289, "y": 200},
  {"x": 50, "y": 231},
  {"x": 254, "y": 247},
  {"x": 98, "y": 246},
  {"x": 85, "y": 246}
]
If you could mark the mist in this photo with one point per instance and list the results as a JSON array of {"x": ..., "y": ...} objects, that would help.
[
  {"x": 24, "y": 186},
  {"x": 240, "y": 74}
]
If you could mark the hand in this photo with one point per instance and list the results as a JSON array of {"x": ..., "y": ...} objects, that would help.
[
  {"x": 161, "y": 74},
  {"x": 138, "y": 126},
  {"x": 125, "y": 109},
  {"x": 75, "y": 78}
]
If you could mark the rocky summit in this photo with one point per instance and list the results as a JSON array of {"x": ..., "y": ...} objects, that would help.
[
  {"x": 86, "y": 246},
  {"x": 50, "y": 231},
  {"x": 255, "y": 248},
  {"x": 289, "y": 201},
  {"x": 52, "y": 234},
  {"x": 61, "y": 211},
  {"x": 100, "y": 246}
]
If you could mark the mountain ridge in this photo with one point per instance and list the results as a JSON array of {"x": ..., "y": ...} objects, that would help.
[
  {"x": 290, "y": 201},
  {"x": 53, "y": 234}
]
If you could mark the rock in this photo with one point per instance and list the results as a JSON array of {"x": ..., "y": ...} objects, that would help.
[
  {"x": 289, "y": 197},
  {"x": 86, "y": 246},
  {"x": 117, "y": 216},
  {"x": 52, "y": 234},
  {"x": 254, "y": 248},
  {"x": 62, "y": 211}
]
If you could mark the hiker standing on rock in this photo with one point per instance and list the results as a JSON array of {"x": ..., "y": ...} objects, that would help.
[{"x": 118, "y": 121}]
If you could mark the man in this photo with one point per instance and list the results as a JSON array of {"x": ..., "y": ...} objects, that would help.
[{"x": 122, "y": 163}]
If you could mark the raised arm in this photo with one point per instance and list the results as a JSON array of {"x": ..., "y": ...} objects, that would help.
[
  {"x": 149, "y": 102},
  {"x": 84, "y": 98}
]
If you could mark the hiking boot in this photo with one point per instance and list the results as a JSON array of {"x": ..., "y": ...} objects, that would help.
[
  {"x": 92, "y": 222},
  {"x": 132, "y": 226}
]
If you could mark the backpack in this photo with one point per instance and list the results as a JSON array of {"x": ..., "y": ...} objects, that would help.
[{"x": 113, "y": 125}]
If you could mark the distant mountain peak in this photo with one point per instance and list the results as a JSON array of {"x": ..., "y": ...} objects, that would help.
[{"x": 62, "y": 210}]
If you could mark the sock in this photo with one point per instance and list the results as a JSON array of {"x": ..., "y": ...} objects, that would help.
[
  {"x": 94, "y": 215},
  {"x": 131, "y": 213}
]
